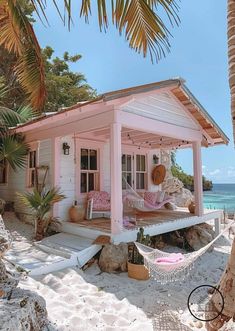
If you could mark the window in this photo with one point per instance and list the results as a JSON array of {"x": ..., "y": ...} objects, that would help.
[
  {"x": 134, "y": 170},
  {"x": 3, "y": 172},
  {"x": 32, "y": 164},
  {"x": 140, "y": 172},
  {"x": 127, "y": 169},
  {"x": 89, "y": 179}
]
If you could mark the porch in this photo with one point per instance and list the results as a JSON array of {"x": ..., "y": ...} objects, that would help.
[{"x": 154, "y": 223}]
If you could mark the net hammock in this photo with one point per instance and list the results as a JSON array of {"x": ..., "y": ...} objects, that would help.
[
  {"x": 170, "y": 267},
  {"x": 136, "y": 201}
]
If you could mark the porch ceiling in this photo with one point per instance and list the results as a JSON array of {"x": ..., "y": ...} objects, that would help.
[{"x": 140, "y": 139}]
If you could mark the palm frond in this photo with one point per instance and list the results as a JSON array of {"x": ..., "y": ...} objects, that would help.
[
  {"x": 11, "y": 118},
  {"x": 138, "y": 19},
  {"x": 10, "y": 31},
  {"x": 41, "y": 202},
  {"x": 14, "y": 151},
  {"x": 17, "y": 35},
  {"x": 144, "y": 29}
]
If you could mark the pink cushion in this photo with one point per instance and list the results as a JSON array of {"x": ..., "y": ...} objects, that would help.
[
  {"x": 150, "y": 197},
  {"x": 101, "y": 200},
  {"x": 172, "y": 258}
]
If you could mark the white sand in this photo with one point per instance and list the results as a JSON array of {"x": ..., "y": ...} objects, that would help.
[{"x": 91, "y": 300}]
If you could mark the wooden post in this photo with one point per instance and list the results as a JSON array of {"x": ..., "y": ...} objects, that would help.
[
  {"x": 197, "y": 169},
  {"x": 116, "y": 178},
  {"x": 55, "y": 171},
  {"x": 217, "y": 226}
]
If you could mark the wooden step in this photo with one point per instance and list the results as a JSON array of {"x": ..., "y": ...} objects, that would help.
[{"x": 55, "y": 253}]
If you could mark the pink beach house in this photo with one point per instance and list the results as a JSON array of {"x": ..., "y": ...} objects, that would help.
[{"x": 89, "y": 146}]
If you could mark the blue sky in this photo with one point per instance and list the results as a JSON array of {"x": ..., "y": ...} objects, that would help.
[{"x": 198, "y": 54}]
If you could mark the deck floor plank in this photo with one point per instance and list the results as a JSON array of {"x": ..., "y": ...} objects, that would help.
[{"x": 143, "y": 219}]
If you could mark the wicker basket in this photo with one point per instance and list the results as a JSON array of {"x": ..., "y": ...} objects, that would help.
[{"x": 138, "y": 271}]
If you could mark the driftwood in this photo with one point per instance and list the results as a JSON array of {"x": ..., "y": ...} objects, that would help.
[{"x": 227, "y": 288}]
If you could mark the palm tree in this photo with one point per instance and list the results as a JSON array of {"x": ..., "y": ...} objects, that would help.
[
  {"x": 231, "y": 57},
  {"x": 227, "y": 282},
  {"x": 17, "y": 36},
  {"x": 144, "y": 30},
  {"x": 40, "y": 202},
  {"x": 13, "y": 148}
]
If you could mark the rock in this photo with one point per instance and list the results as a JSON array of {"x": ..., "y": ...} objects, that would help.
[
  {"x": 198, "y": 236},
  {"x": 183, "y": 198},
  {"x": 2, "y": 206},
  {"x": 172, "y": 185},
  {"x": 25, "y": 311},
  {"x": 158, "y": 242},
  {"x": 20, "y": 310},
  {"x": 170, "y": 206},
  {"x": 114, "y": 258}
]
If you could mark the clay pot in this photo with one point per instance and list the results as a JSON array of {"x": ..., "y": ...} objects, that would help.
[
  {"x": 191, "y": 207},
  {"x": 76, "y": 213},
  {"x": 137, "y": 271}
]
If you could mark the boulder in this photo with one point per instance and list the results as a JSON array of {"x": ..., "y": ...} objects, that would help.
[
  {"x": 25, "y": 311},
  {"x": 199, "y": 236},
  {"x": 20, "y": 310},
  {"x": 2, "y": 206},
  {"x": 183, "y": 198},
  {"x": 172, "y": 185},
  {"x": 113, "y": 258}
]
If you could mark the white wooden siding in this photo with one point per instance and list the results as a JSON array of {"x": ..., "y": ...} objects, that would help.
[
  {"x": 67, "y": 180},
  {"x": 163, "y": 107},
  {"x": 17, "y": 181},
  {"x": 45, "y": 159},
  {"x": 151, "y": 166}
]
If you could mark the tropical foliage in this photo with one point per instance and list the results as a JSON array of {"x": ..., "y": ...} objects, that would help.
[
  {"x": 13, "y": 148},
  {"x": 188, "y": 180},
  {"x": 41, "y": 202},
  {"x": 139, "y": 20},
  {"x": 18, "y": 37},
  {"x": 64, "y": 87}
]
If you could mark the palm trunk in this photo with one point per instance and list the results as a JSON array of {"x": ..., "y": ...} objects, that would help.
[
  {"x": 231, "y": 57},
  {"x": 39, "y": 229},
  {"x": 227, "y": 289}
]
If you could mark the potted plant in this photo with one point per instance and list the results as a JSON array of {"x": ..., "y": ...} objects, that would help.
[{"x": 136, "y": 267}]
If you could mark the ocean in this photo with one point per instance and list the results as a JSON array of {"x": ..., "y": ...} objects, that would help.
[{"x": 222, "y": 196}]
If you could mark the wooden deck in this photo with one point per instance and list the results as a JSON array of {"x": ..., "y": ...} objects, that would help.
[
  {"x": 159, "y": 222},
  {"x": 142, "y": 220}
]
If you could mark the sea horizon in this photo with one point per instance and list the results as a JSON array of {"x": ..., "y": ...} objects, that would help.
[{"x": 222, "y": 196}]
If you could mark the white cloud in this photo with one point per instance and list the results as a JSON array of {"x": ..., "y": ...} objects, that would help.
[
  {"x": 231, "y": 172},
  {"x": 215, "y": 172}
]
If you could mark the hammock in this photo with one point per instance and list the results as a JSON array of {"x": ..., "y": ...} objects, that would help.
[
  {"x": 169, "y": 267},
  {"x": 136, "y": 201}
]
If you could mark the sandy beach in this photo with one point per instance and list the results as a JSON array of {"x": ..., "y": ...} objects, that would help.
[{"x": 92, "y": 300}]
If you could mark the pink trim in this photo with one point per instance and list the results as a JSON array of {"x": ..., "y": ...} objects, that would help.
[
  {"x": 138, "y": 122},
  {"x": 56, "y": 151},
  {"x": 197, "y": 169},
  {"x": 116, "y": 179},
  {"x": 76, "y": 125}
]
